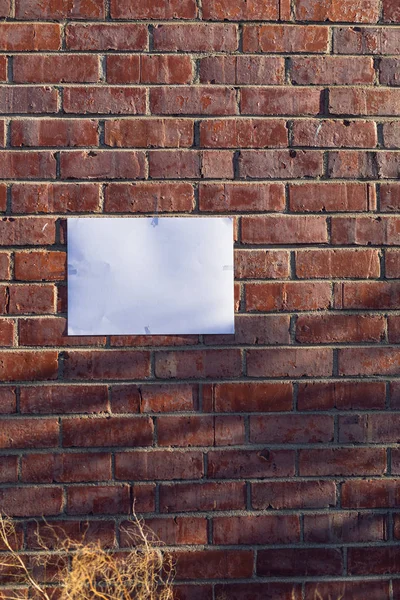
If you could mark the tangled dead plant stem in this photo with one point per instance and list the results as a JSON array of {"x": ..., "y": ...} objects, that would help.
[{"x": 86, "y": 571}]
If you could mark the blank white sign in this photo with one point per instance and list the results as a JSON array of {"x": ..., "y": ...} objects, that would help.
[{"x": 171, "y": 275}]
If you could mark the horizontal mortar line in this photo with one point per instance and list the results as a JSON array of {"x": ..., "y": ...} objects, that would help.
[
  {"x": 196, "y": 412},
  {"x": 196, "y": 21},
  {"x": 198, "y": 85},
  {"x": 199, "y": 54},
  {"x": 33, "y": 117}
]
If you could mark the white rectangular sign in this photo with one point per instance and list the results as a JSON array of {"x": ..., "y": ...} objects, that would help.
[{"x": 167, "y": 275}]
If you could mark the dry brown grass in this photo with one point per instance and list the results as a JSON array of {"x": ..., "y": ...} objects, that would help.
[{"x": 85, "y": 571}]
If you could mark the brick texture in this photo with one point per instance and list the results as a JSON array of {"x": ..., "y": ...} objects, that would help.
[{"x": 267, "y": 460}]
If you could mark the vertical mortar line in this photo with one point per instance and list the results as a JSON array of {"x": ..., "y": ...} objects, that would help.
[
  {"x": 155, "y": 431},
  {"x": 330, "y": 40},
  {"x": 378, "y": 197},
  {"x": 387, "y": 395},
  {"x": 335, "y": 428},
  {"x": 150, "y": 29},
  {"x": 157, "y": 498},
  {"x": 249, "y": 505},
  {"x": 10, "y": 69},
  {"x": 288, "y": 67},
  {"x": 152, "y": 364},
  {"x": 295, "y": 388},
  {"x": 246, "y": 421},
  {"x": 389, "y": 460},
  {"x": 199, "y": 5},
  {"x": 210, "y": 530},
  {"x": 9, "y": 212},
  {"x": 292, "y": 330},
  {"x": 107, "y": 10},
  {"x": 379, "y": 130},
  {"x": 391, "y": 596},
  {"x": 376, "y": 60},
  {"x": 102, "y": 68},
  {"x": 301, "y": 522},
  {"x": 102, "y": 191},
  {"x": 240, "y": 38},
  {"x": 63, "y": 35},
  {"x": 335, "y": 370},
  {"x": 345, "y": 559},
  {"x": 102, "y": 133}
]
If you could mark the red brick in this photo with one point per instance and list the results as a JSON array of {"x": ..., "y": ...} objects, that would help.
[
  {"x": 391, "y": 11},
  {"x": 373, "y": 428},
  {"x": 63, "y": 399},
  {"x": 258, "y": 529},
  {"x": 172, "y": 531},
  {"x": 328, "y": 264},
  {"x": 198, "y": 364},
  {"x": 284, "y": 230},
  {"x": 65, "y": 468},
  {"x": 29, "y": 100},
  {"x": 154, "y": 398},
  {"x": 332, "y": 70},
  {"x": 28, "y": 299},
  {"x": 327, "y": 329},
  {"x": 365, "y": 230},
  {"x": 250, "y": 397},
  {"x": 358, "y": 11},
  {"x": 149, "y": 197},
  {"x": 377, "y": 560},
  {"x": 54, "y": 197},
  {"x": 106, "y": 36},
  {"x": 262, "y": 264},
  {"x": 293, "y": 495},
  {"x": 246, "y": 133},
  {"x": 90, "y": 532},
  {"x": 259, "y": 591},
  {"x": 282, "y": 101},
  {"x": 25, "y": 37},
  {"x": 3, "y": 68},
  {"x": 5, "y": 8},
  {"x": 52, "y": 331},
  {"x": 394, "y": 329},
  {"x": 291, "y": 429},
  {"x": 123, "y": 68},
  {"x": 162, "y": 9},
  {"x": 285, "y": 38},
  {"x": 389, "y": 71},
  {"x": 29, "y": 501},
  {"x": 391, "y": 132},
  {"x": 254, "y": 70},
  {"x": 331, "y": 197},
  {"x": 199, "y": 37},
  {"x": 299, "y": 562},
  {"x": 180, "y": 164},
  {"x": 23, "y": 231},
  {"x": 293, "y": 295},
  {"x": 6, "y": 332},
  {"x": 183, "y": 497},
  {"x": 116, "y": 100},
  {"x": 388, "y": 165},
  {"x": 352, "y": 164},
  {"x": 8, "y": 400},
  {"x": 339, "y": 528},
  {"x": 242, "y": 197},
  {"x": 193, "y": 592},
  {"x": 28, "y": 366},
  {"x": 40, "y": 266},
  {"x": 258, "y": 10},
  {"x": 8, "y": 469},
  {"x": 229, "y": 431},
  {"x": 128, "y": 341},
  {"x": 395, "y": 394},
  {"x": 161, "y": 465},
  {"x": 2, "y": 145},
  {"x": 3, "y": 197},
  {"x": 144, "y": 497},
  {"x": 213, "y": 564},
  {"x": 283, "y": 164},
  {"x": 110, "y": 431},
  {"x": 111, "y": 364},
  {"x": 349, "y": 590},
  {"x": 29, "y": 433},
  {"x": 201, "y": 100},
  {"x": 237, "y": 464},
  {"x": 106, "y": 164},
  {"x": 149, "y": 133},
  {"x": 255, "y": 329},
  {"x": 378, "y": 295},
  {"x": 100, "y": 499},
  {"x": 54, "y": 132},
  {"x": 185, "y": 431},
  {"x": 390, "y": 197},
  {"x": 60, "y": 10},
  {"x": 4, "y": 265},
  {"x": 56, "y": 68},
  {"x": 335, "y": 134},
  {"x": 342, "y": 461},
  {"x": 27, "y": 165},
  {"x": 364, "y": 101},
  {"x": 366, "y": 40},
  {"x": 341, "y": 395},
  {"x": 370, "y": 494}
]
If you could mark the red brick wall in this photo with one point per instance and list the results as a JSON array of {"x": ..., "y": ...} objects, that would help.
[{"x": 269, "y": 461}]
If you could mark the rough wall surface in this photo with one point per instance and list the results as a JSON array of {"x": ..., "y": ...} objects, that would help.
[{"x": 268, "y": 460}]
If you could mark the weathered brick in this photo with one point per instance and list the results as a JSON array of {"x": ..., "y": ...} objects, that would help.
[
  {"x": 364, "y": 101},
  {"x": 369, "y": 361},
  {"x": 339, "y": 528},
  {"x": 342, "y": 461},
  {"x": 111, "y": 364},
  {"x": 239, "y": 464},
  {"x": 28, "y": 365},
  {"x": 258, "y": 10},
  {"x": 262, "y": 264},
  {"x": 270, "y": 101},
  {"x": 292, "y": 494},
  {"x": 29, "y": 501},
  {"x": 378, "y": 295},
  {"x": 241, "y": 197},
  {"x": 110, "y": 431},
  {"x": 29, "y": 100},
  {"x": 201, "y": 100},
  {"x": 164, "y": 9},
  {"x": 100, "y": 499},
  {"x": 282, "y": 164},
  {"x": 366, "y": 40},
  {"x": 390, "y": 197},
  {"x": 288, "y": 296},
  {"x": 257, "y": 529},
  {"x": 63, "y": 399},
  {"x": 208, "y": 496},
  {"x": 389, "y": 71},
  {"x": 358, "y": 11},
  {"x": 116, "y": 100},
  {"x": 255, "y": 329},
  {"x": 214, "y": 564},
  {"x": 290, "y": 362},
  {"x": 391, "y": 11},
  {"x": 65, "y": 468},
  {"x": 154, "y": 398},
  {"x": 25, "y": 37},
  {"x": 246, "y": 133},
  {"x": 40, "y": 266},
  {"x": 52, "y": 331},
  {"x": 27, "y": 165},
  {"x": 29, "y": 433},
  {"x": 342, "y": 395},
  {"x": 198, "y": 364},
  {"x": 56, "y": 68},
  {"x": 332, "y": 70},
  {"x": 158, "y": 465},
  {"x": 291, "y": 429},
  {"x": 59, "y": 10},
  {"x": 327, "y": 329},
  {"x": 297, "y": 562}
]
